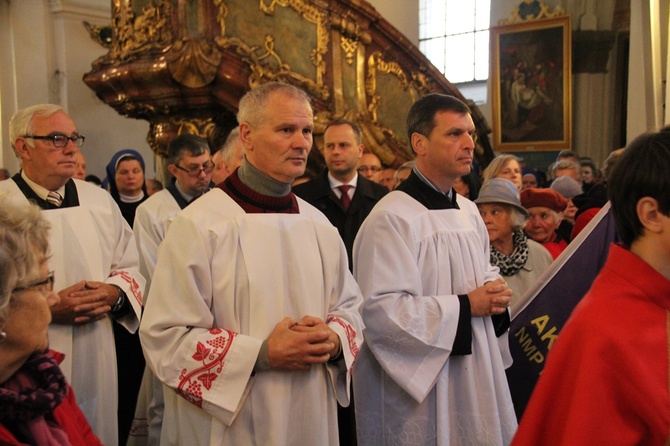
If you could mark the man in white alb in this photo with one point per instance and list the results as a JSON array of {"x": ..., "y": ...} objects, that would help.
[
  {"x": 189, "y": 162},
  {"x": 93, "y": 256},
  {"x": 432, "y": 369},
  {"x": 252, "y": 319}
]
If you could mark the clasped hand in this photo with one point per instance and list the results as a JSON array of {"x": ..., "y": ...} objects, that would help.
[
  {"x": 297, "y": 345},
  {"x": 492, "y": 298},
  {"x": 84, "y": 302}
]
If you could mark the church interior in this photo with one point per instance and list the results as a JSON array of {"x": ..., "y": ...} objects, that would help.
[{"x": 135, "y": 73}]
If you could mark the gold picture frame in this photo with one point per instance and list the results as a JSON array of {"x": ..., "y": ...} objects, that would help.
[{"x": 531, "y": 85}]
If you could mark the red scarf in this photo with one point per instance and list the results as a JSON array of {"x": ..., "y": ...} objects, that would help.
[{"x": 29, "y": 397}]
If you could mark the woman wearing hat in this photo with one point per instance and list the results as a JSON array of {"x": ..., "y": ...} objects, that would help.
[
  {"x": 545, "y": 207},
  {"x": 521, "y": 261}
]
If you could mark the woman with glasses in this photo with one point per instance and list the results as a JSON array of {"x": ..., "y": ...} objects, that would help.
[
  {"x": 125, "y": 180},
  {"x": 37, "y": 405}
]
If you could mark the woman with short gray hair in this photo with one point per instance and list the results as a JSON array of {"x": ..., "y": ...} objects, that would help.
[
  {"x": 521, "y": 260},
  {"x": 37, "y": 406}
]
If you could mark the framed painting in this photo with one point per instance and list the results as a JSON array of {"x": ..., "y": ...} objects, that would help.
[{"x": 531, "y": 85}]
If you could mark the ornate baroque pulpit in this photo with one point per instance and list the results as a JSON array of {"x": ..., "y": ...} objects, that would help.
[{"x": 183, "y": 65}]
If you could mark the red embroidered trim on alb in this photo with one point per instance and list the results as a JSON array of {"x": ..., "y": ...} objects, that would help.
[
  {"x": 212, "y": 359},
  {"x": 134, "y": 286},
  {"x": 351, "y": 336}
]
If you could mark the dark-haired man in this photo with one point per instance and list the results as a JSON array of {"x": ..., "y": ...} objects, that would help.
[
  {"x": 344, "y": 196},
  {"x": 432, "y": 369}
]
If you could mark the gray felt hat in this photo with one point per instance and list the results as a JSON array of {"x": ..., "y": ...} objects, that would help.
[
  {"x": 567, "y": 186},
  {"x": 500, "y": 190}
]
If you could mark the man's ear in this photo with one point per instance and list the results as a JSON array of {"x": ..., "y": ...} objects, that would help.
[
  {"x": 224, "y": 167},
  {"x": 649, "y": 215},
  {"x": 22, "y": 148},
  {"x": 418, "y": 143},
  {"x": 172, "y": 169},
  {"x": 245, "y": 136}
]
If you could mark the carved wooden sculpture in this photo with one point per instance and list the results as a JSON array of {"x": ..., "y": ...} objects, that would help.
[{"x": 184, "y": 65}]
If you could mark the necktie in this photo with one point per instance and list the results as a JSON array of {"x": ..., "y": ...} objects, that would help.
[
  {"x": 346, "y": 200},
  {"x": 54, "y": 198}
]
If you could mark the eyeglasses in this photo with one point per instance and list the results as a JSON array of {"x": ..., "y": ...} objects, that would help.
[
  {"x": 59, "y": 140},
  {"x": 370, "y": 168},
  {"x": 208, "y": 167},
  {"x": 44, "y": 285}
]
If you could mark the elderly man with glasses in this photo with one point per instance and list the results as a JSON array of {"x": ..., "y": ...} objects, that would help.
[{"x": 93, "y": 255}]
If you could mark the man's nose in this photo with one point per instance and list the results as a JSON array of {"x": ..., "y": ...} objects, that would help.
[
  {"x": 302, "y": 140},
  {"x": 70, "y": 148}
]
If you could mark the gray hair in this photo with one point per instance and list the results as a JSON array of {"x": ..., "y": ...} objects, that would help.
[
  {"x": 228, "y": 148},
  {"x": 194, "y": 145},
  {"x": 21, "y": 123},
  {"x": 253, "y": 103},
  {"x": 23, "y": 242},
  {"x": 566, "y": 164},
  {"x": 406, "y": 165},
  {"x": 516, "y": 218}
]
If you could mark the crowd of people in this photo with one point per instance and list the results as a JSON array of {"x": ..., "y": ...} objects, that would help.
[{"x": 370, "y": 305}]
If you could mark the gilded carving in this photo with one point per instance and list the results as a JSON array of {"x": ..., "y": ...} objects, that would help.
[
  {"x": 419, "y": 84},
  {"x": 422, "y": 82},
  {"x": 194, "y": 126},
  {"x": 391, "y": 150},
  {"x": 100, "y": 34},
  {"x": 351, "y": 34},
  {"x": 135, "y": 34},
  {"x": 327, "y": 53},
  {"x": 350, "y": 28},
  {"x": 532, "y": 10},
  {"x": 350, "y": 46},
  {"x": 163, "y": 130},
  {"x": 134, "y": 109},
  {"x": 221, "y": 15},
  {"x": 265, "y": 63},
  {"x": 193, "y": 63},
  {"x": 377, "y": 64}
]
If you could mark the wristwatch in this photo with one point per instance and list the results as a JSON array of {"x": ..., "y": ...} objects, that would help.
[{"x": 119, "y": 303}]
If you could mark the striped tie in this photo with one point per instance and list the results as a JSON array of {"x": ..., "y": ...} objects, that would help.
[{"x": 54, "y": 198}]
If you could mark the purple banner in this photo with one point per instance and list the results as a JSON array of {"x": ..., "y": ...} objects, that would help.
[{"x": 534, "y": 330}]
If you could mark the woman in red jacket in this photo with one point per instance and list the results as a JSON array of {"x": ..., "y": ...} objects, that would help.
[{"x": 37, "y": 406}]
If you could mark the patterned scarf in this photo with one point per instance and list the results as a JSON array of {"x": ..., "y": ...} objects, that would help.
[
  {"x": 511, "y": 264},
  {"x": 31, "y": 394}
]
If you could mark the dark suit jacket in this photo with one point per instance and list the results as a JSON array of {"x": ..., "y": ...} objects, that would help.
[{"x": 317, "y": 192}]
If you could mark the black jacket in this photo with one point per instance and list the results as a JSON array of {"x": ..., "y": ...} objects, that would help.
[{"x": 318, "y": 193}]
